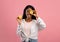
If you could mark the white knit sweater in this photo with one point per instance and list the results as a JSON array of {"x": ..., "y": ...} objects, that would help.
[{"x": 34, "y": 27}]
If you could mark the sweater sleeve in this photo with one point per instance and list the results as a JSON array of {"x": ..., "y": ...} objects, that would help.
[
  {"x": 19, "y": 29},
  {"x": 41, "y": 23}
]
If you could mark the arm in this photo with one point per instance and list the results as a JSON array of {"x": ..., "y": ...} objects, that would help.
[
  {"x": 18, "y": 32},
  {"x": 18, "y": 26},
  {"x": 41, "y": 23}
]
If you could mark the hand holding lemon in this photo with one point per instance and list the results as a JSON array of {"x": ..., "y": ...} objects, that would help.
[
  {"x": 33, "y": 12},
  {"x": 19, "y": 18}
]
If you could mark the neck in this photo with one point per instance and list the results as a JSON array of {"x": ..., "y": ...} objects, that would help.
[{"x": 28, "y": 19}]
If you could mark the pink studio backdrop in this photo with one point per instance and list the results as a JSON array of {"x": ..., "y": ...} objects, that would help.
[{"x": 48, "y": 10}]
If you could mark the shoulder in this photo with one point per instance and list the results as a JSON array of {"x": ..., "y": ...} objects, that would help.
[
  {"x": 34, "y": 21},
  {"x": 23, "y": 20},
  {"x": 38, "y": 19}
]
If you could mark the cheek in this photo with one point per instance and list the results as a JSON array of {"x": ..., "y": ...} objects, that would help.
[{"x": 28, "y": 15}]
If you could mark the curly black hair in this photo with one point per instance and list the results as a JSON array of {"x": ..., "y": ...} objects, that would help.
[{"x": 24, "y": 12}]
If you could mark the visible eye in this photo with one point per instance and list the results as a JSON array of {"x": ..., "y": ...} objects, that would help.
[{"x": 28, "y": 10}]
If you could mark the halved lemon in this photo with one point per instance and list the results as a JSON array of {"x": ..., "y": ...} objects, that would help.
[
  {"x": 19, "y": 17},
  {"x": 31, "y": 12}
]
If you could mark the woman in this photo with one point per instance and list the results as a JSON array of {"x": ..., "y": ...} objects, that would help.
[{"x": 29, "y": 25}]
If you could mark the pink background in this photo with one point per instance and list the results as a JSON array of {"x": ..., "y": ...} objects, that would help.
[{"x": 48, "y": 10}]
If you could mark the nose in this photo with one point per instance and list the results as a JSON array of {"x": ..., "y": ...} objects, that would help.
[{"x": 28, "y": 13}]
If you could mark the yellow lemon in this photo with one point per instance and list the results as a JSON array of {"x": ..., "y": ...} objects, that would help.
[
  {"x": 20, "y": 17},
  {"x": 31, "y": 12}
]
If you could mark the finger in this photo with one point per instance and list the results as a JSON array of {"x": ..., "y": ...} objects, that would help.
[
  {"x": 35, "y": 15},
  {"x": 34, "y": 11}
]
